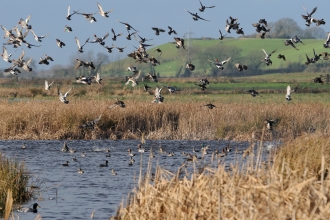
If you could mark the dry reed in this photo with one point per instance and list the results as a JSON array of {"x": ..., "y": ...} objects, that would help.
[
  {"x": 258, "y": 191},
  {"x": 41, "y": 119},
  {"x": 13, "y": 184}
]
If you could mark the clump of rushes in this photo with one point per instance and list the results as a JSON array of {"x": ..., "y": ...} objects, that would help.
[
  {"x": 257, "y": 190},
  {"x": 13, "y": 179}
]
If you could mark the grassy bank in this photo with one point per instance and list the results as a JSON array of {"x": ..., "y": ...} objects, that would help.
[
  {"x": 13, "y": 179},
  {"x": 281, "y": 190}
]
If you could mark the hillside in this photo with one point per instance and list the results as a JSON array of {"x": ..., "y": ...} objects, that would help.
[{"x": 172, "y": 59}]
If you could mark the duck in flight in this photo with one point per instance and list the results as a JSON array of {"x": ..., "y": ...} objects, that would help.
[
  {"x": 202, "y": 8},
  {"x": 195, "y": 16}
]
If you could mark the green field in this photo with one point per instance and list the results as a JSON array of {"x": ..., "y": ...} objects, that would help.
[{"x": 172, "y": 59}]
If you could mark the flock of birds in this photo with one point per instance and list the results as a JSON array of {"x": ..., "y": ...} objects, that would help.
[{"x": 17, "y": 36}]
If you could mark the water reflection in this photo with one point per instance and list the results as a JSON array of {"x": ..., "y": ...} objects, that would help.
[{"x": 66, "y": 194}]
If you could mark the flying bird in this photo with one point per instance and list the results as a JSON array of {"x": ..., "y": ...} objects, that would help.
[
  {"x": 289, "y": 92},
  {"x": 38, "y": 38},
  {"x": 80, "y": 47},
  {"x": 308, "y": 18},
  {"x": 128, "y": 26},
  {"x": 114, "y": 38},
  {"x": 195, "y": 16},
  {"x": 202, "y": 8},
  {"x": 69, "y": 15},
  {"x": 60, "y": 43},
  {"x": 240, "y": 67},
  {"x": 99, "y": 40},
  {"x": 63, "y": 97},
  {"x": 97, "y": 78},
  {"x": 103, "y": 13},
  {"x": 67, "y": 28},
  {"x": 171, "y": 30},
  {"x": 158, "y": 30},
  {"x": 221, "y": 36},
  {"x": 118, "y": 103},
  {"x": 209, "y": 105},
  {"x": 47, "y": 86},
  {"x": 219, "y": 65},
  {"x": 281, "y": 56},
  {"x": 253, "y": 92},
  {"x": 133, "y": 79}
]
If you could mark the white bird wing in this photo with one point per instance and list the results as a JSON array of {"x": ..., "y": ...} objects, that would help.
[
  {"x": 97, "y": 76},
  {"x": 27, "y": 19},
  {"x": 288, "y": 90},
  {"x": 22, "y": 55},
  {"x": 4, "y": 51},
  {"x": 77, "y": 42},
  {"x": 265, "y": 52},
  {"x": 46, "y": 84},
  {"x": 34, "y": 35},
  {"x": 100, "y": 9},
  {"x": 137, "y": 75},
  {"x": 225, "y": 61},
  {"x": 69, "y": 10},
  {"x": 67, "y": 93}
]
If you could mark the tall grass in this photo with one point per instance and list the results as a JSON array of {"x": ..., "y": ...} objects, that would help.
[
  {"x": 169, "y": 120},
  {"x": 256, "y": 191},
  {"x": 13, "y": 183}
]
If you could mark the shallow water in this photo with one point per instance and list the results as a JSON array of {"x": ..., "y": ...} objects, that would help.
[{"x": 66, "y": 194}]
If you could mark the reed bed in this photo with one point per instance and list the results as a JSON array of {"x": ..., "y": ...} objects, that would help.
[
  {"x": 50, "y": 119},
  {"x": 257, "y": 191},
  {"x": 13, "y": 184}
]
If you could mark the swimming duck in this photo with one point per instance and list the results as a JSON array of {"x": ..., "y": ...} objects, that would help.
[
  {"x": 69, "y": 15},
  {"x": 80, "y": 171},
  {"x": 103, "y": 13},
  {"x": 202, "y": 8},
  {"x": 23, "y": 146},
  {"x": 97, "y": 78},
  {"x": 219, "y": 65},
  {"x": 131, "y": 159},
  {"x": 130, "y": 152},
  {"x": 171, "y": 154},
  {"x": 171, "y": 30},
  {"x": 308, "y": 18},
  {"x": 240, "y": 67},
  {"x": 281, "y": 56},
  {"x": 60, "y": 43},
  {"x": 33, "y": 209},
  {"x": 128, "y": 26},
  {"x": 65, "y": 147},
  {"x": 67, "y": 28},
  {"x": 74, "y": 159},
  {"x": 63, "y": 97},
  {"x": 140, "y": 149},
  {"x": 114, "y": 38},
  {"x": 253, "y": 92},
  {"x": 72, "y": 151},
  {"x": 83, "y": 154},
  {"x": 209, "y": 105},
  {"x": 65, "y": 164},
  {"x": 80, "y": 48},
  {"x": 158, "y": 30},
  {"x": 161, "y": 149},
  {"x": 221, "y": 36},
  {"x": 195, "y": 16},
  {"x": 133, "y": 79},
  {"x": 38, "y": 38},
  {"x": 99, "y": 40},
  {"x": 113, "y": 172},
  {"x": 104, "y": 165}
]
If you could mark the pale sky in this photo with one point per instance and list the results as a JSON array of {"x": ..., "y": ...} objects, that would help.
[{"x": 48, "y": 17}]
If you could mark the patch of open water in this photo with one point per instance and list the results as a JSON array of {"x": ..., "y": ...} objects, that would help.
[{"x": 66, "y": 194}]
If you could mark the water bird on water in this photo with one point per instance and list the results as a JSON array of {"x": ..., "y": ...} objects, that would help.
[
  {"x": 74, "y": 159},
  {"x": 140, "y": 149},
  {"x": 65, "y": 147},
  {"x": 65, "y": 164},
  {"x": 130, "y": 152},
  {"x": 29, "y": 209},
  {"x": 113, "y": 172},
  {"x": 80, "y": 171},
  {"x": 104, "y": 165}
]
